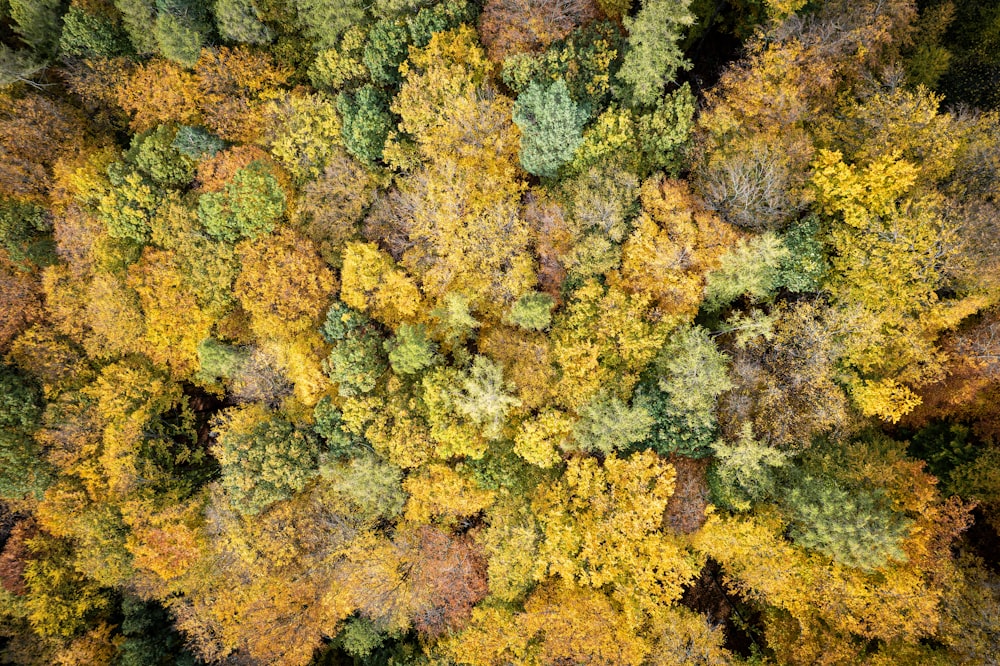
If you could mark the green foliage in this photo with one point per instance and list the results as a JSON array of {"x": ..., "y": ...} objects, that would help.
[
  {"x": 584, "y": 59},
  {"x": 370, "y": 488},
  {"x": 61, "y": 601},
  {"x": 653, "y": 54},
  {"x": 805, "y": 267},
  {"x": 608, "y": 424},
  {"x": 855, "y": 527},
  {"x": 250, "y": 205},
  {"x": 324, "y": 21},
  {"x": 366, "y": 122},
  {"x": 533, "y": 311},
  {"x": 20, "y": 401},
  {"x": 133, "y": 199},
  {"x": 182, "y": 27},
  {"x": 196, "y": 142},
  {"x": 219, "y": 360},
  {"x": 360, "y": 637},
  {"x": 156, "y": 154},
  {"x": 411, "y": 350},
  {"x": 138, "y": 19},
  {"x": 551, "y": 127},
  {"x": 690, "y": 375},
  {"x": 23, "y": 231},
  {"x": 149, "y": 638},
  {"x": 745, "y": 471},
  {"x": 38, "y": 24},
  {"x": 665, "y": 132},
  {"x": 22, "y": 468},
  {"x": 752, "y": 269},
  {"x": 358, "y": 359},
  {"x": 264, "y": 458},
  {"x": 330, "y": 426},
  {"x": 385, "y": 50},
  {"x": 440, "y": 17},
  {"x": 86, "y": 35},
  {"x": 239, "y": 21}
]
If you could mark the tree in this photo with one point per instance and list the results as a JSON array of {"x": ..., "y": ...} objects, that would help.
[
  {"x": 240, "y": 21},
  {"x": 744, "y": 471},
  {"x": 264, "y": 458},
  {"x": 750, "y": 269},
  {"x": 674, "y": 246},
  {"x": 283, "y": 284},
  {"x": 385, "y": 50},
  {"x": 551, "y": 127},
  {"x": 513, "y": 26},
  {"x": 372, "y": 283},
  {"x": 34, "y": 131},
  {"x": 250, "y": 205},
  {"x": 653, "y": 55},
  {"x": 85, "y": 34},
  {"x": 38, "y": 24},
  {"x": 411, "y": 351},
  {"x": 607, "y": 424},
  {"x": 483, "y": 397},
  {"x": 601, "y": 529},
  {"x": 159, "y": 92},
  {"x": 155, "y": 154},
  {"x": 331, "y": 206},
  {"x": 532, "y": 311},
  {"x": 603, "y": 340},
  {"x": 690, "y": 375},
  {"x": 366, "y": 122},
  {"x": 324, "y": 21},
  {"x": 181, "y": 29},
  {"x": 357, "y": 359},
  {"x": 22, "y": 232},
  {"x": 856, "y": 528},
  {"x": 24, "y": 470}
]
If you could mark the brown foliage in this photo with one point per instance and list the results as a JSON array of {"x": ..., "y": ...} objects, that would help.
[
  {"x": 686, "y": 508},
  {"x": 513, "y": 26},
  {"x": 971, "y": 390},
  {"x": 34, "y": 130},
  {"x": 14, "y": 556},
  {"x": 448, "y": 578},
  {"x": 554, "y": 240},
  {"x": 332, "y": 205},
  {"x": 214, "y": 172},
  {"x": 20, "y": 305}
]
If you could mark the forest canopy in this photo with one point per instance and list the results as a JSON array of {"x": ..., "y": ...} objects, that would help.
[{"x": 499, "y": 332}]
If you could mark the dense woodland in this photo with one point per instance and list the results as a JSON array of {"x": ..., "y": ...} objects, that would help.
[{"x": 544, "y": 332}]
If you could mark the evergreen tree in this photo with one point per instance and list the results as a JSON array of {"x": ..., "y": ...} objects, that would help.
[
  {"x": 654, "y": 54},
  {"x": 551, "y": 127},
  {"x": 855, "y": 526},
  {"x": 366, "y": 122}
]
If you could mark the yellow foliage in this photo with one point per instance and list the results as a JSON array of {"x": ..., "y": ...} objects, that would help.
[
  {"x": 438, "y": 491},
  {"x": 601, "y": 526},
  {"x": 283, "y": 284},
  {"x": 541, "y": 438},
  {"x": 373, "y": 284},
  {"x": 887, "y": 399},
  {"x": 603, "y": 339},
  {"x": 174, "y": 322}
]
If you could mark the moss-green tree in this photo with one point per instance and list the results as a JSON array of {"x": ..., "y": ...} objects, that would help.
[{"x": 264, "y": 458}]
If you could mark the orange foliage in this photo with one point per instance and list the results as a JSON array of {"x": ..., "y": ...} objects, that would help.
[{"x": 160, "y": 92}]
